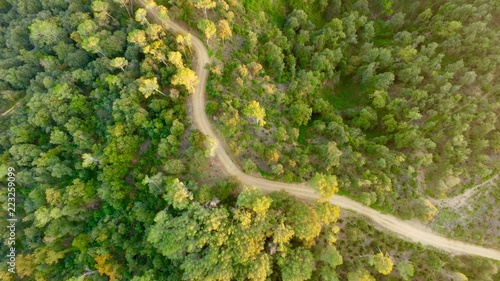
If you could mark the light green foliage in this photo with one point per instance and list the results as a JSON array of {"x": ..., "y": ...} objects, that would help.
[
  {"x": 405, "y": 269},
  {"x": 224, "y": 30},
  {"x": 88, "y": 160},
  {"x": 326, "y": 185},
  {"x": 298, "y": 266},
  {"x": 149, "y": 87},
  {"x": 300, "y": 113},
  {"x": 382, "y": 263},
  {"x": 425, "y": 210},
  {"x": 141, "y": 16},
  {"x": 360, "y": 275},
  {"x": 282, "y": 234},
  {"x": 328, "y": 213},
  {"x": 176, "y": 59},
  {"x": 208, "y": 28},
  {"x": 331, "y": 156},
  {"x": 254, "y": 110},
  {"x": 119, "y": 62},
  {"x": 45, "y": 32},
  {"x": 177, "y": 194},
  {"x": 204, "y": 4},
  {"x": 249, "y": 166},
  {"x": 450, "y": 28},
  {"x": 187, "y": 78},
  {"x": 252, "y": 198}
]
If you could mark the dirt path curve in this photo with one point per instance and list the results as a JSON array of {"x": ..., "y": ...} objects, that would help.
[
  {"x": 8, "y": 111},
  {"x": 462, "y": 200},
  {"x": 408, "y": 230}
]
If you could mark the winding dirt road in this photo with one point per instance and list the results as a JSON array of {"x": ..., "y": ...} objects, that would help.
[{"x": 408, "y": 230}]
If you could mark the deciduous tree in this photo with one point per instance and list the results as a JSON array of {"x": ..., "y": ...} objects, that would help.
[{"x": 208, "y": 28}]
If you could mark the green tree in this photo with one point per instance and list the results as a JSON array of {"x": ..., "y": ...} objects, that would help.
[
  {"x": 326, "y": 185},
  {"x": 405, "y": 269},
  {"x": 208, "y": 28},
  {"x": 297, "y": 266},
  {"x": 382, "y": 263},
  {"x": 300, "y": 113},
  {"x": 119, "y": 62},
  {"x": 424, "y": 210},
  {"x": 149, "y": 86},
  {"x": 141, "y": 16},
  {"x": 175, "y": 58},
  {"x": 177, "y": 194},
  {"x": 224, "y": 30},
  {"x": 138, "y": 37},
  {"x": 255, "y": 111},
  {"x": 187, "y": 78},
  {"x": 45, "y": 32},
  {"x": 360, "y": 274},
  {"x": 204, "y": 4}
]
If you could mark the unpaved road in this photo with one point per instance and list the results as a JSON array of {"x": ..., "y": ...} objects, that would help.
[
  {"x": 10, "y": 109},
  {"x": 462, "y": 200},
  {"x": 410, "y": 231}
]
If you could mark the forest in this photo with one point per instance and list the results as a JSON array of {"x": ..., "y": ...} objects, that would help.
[{"x": 394, "y": 101}]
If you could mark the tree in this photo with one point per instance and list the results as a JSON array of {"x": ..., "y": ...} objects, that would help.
[
  {"x": 204, "y": 4},
  {"x": 224, "y": 30},
  {"x": 210, "y": 145},
  {"x": 119, "y": 62},
  {"x": 124, "y": 4},
  {"x": 208, "y": 28},
  {"x": 249, "y": 166},
  {"x": 149, "y": 86},
  {"x": 300, "y": 113},
  {"x": 88, "y": 160},
  {"x": 184, "y": 41},
  {"x": 297, "y": 266},
  {"x": 332, "y": 155},
  {"x": 255, "y": 111},
  {"x": 176, "y": 59},
  {"x": 185, "y": 77},
  {"x": 162, "y": 16},
  {"x": 44, "y": 32},
  {"x": 87, "y": 28},
  {"x": 101, "y": 7},
  {"x": 177, "y": 128},
  {"x": 106, "y": 267},
  {"x": 379, "y": 98},
  {"x": 282, "y": 234},
  {"x": 424, "y": 210},
  {"x": 382, "y": 263},
  {"x": 253, "y": 199},
  {"x": 326, "y": 185},
  {"x": 138, "y": 37},
  {"x": 328, "y": 213},
  {"x": 91, "y": 44},
  {"x": 174, "y": 167},
  {"x": 405, "y": 269},
  {"x": 141, "y": 16},
  {"x": 360, "y": 274},
  {"x": 177, "y": 194}
]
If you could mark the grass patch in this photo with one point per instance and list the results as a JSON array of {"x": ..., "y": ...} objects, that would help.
[
  {"x": 276, "y": 10},
  {"x": 347, "y": 94},
  {"x": 383, "y": 36}
]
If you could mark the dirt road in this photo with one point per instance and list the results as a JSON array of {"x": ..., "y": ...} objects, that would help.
[{"x": 408, "y": 230}]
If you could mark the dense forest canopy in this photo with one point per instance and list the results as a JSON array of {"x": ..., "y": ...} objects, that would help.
[
  {"x": 388, "y": 102},
  {"x": 397, "y": 99}
]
